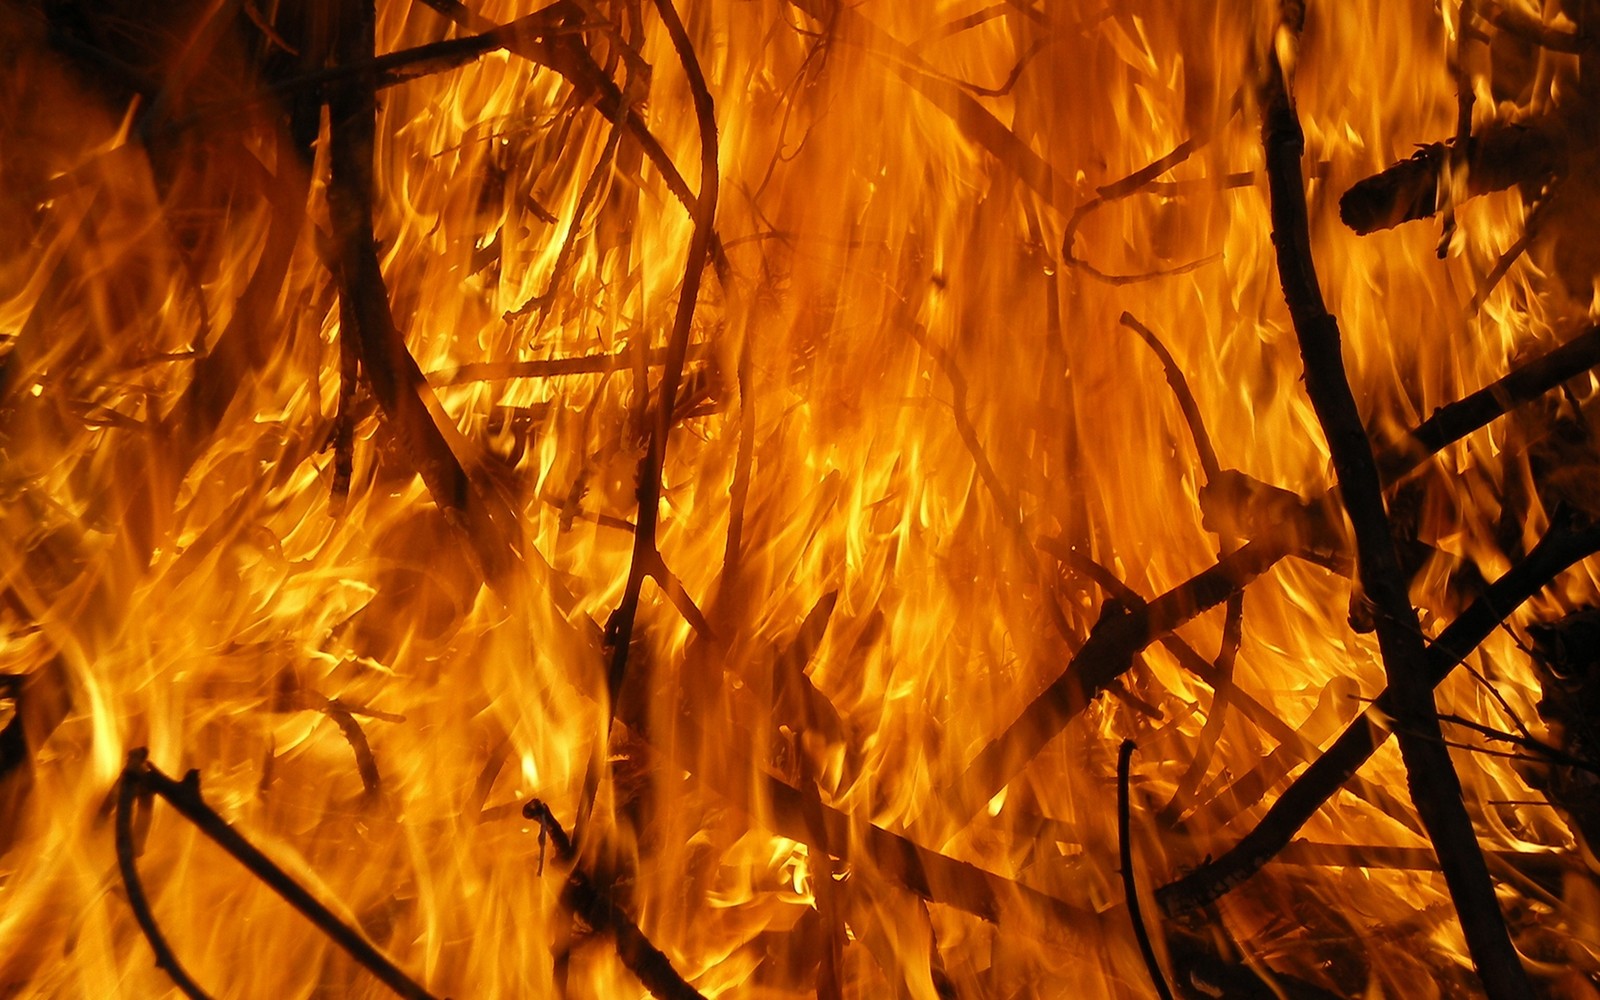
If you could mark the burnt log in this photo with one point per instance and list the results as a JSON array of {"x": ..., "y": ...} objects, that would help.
[{"x": 1500, "y": 157}]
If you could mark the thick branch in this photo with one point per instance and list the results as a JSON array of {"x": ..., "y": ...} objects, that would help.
[
  {"x": 1435, "y": 786},
  {"x": 397, "y": 383},
  {"x": 1237, "y": 503},
  {"x": 1119, "y": 634},
  {"x": 1499, "y": 157},
  {"x": 1528, "y": 381}
]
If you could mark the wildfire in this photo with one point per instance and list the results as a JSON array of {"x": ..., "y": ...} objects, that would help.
[{"x": 607, "y": 498}]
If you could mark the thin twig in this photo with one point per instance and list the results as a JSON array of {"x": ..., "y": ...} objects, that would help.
[
  {"x": 703, "y": 213},
  {"x": 1539, "y": 748},
  {"x": 366, "y": 763},
  {"x": 1117, "y": 190},
  {"x": 541, "y": 301},
  {"x": 646, "y": 556},
  {"x": 1435, "y": 786},
  {"x": 1511, "y": 254},
  {"x": 1494, "y": 692},
  {"x": 975, "y": 120},
  {"x": 1233, "y": 615},
  {"x": 1130, "y": 884},
  {"x": 140, "y": 776},
  {"x": 587, "y": 364},
  {"x": 388, "y": 70},
  {"x": 128, "y": 789},
  {"x": 565, "y": 54}
]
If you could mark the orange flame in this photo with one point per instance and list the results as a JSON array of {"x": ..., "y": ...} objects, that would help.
[{"x": 910, "y": 436}]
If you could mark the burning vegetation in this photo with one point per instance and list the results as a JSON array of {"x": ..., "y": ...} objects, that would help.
[{"x": 607, "y": 497}]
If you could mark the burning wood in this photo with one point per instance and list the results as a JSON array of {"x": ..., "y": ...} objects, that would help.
[{"x": 752, "y": 431}]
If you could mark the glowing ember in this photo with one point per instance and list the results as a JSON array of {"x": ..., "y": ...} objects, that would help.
[{"x": 603, "y": 504}]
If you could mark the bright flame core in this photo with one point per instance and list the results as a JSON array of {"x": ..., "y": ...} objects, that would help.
[{"x": 900, "y": 399}]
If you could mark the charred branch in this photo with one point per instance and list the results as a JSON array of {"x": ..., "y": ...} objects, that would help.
[
  {"x": 594, "y": 906},
  {"x": 1116, "y": 191},
  {"x": 140, "y": 778},
  {"x": 1435, "y": 786},
  {"x": 646, "y": 556},
  {"x": 1557, "y": 551},
  {"x": 1236, "y": 503},
  {"x": 128, "y": 789},
  {"x": 397, "y": 383},
  {"x": 564, "y": 52},
  {"x": 1233, "y": 619},
  {"x": 1526, "y": 382},
  {"x": 1116, "y": 638},
  {"x": 1499, "y": 157},
  {"x": 1295, "y": 746}
]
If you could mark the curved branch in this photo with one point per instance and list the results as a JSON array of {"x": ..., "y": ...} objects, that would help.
[{"x": 128, "y": 789}]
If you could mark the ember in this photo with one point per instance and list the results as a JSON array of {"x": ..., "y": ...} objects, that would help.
[{"x": 614, "y": 498}]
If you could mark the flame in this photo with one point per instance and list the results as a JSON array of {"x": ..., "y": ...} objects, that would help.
[{"x": 904, "y": 411}]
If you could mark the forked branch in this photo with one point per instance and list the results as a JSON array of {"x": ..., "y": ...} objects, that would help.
[
  {"x": 1557, "y": 551},
  {"x": 596, "y": 908},
  {"x": 141, "y": 779},
  {"x": 1435, "y": 786}
]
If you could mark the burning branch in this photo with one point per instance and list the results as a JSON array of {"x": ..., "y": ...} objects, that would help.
[
  {"x": 1116, "y": 191},
  {"x": 595, "y": 907},
  {"x": 621, "y": 361},
  {"x": 1435, "y": 787},
  {"x": 646, "y": 556},
  {"x": 1560, "y": 549},
  {"x": 564, "y": 52},
  {"x": 1121, "y": 634},
  {"x": 397, "y": 383},
  {"x": 1116, "y": 638},
  {"x": 142, "y": 779},
  {"x": 1500, "y": 157},
  {"x": 1233, "y": 620},
  {"x": 127, "y": 789},
  {"x": 1255, "y": 509}
]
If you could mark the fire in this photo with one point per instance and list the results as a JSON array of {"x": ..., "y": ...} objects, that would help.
[{"x": 615, "y": 498}]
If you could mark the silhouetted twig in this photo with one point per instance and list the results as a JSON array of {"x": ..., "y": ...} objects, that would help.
[
  {"x": 597, "y": 909},
  {"x": 140, "y": 777},
  {"x": 1130, "y": 885},
  {"x": 128, "y": 790}
]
